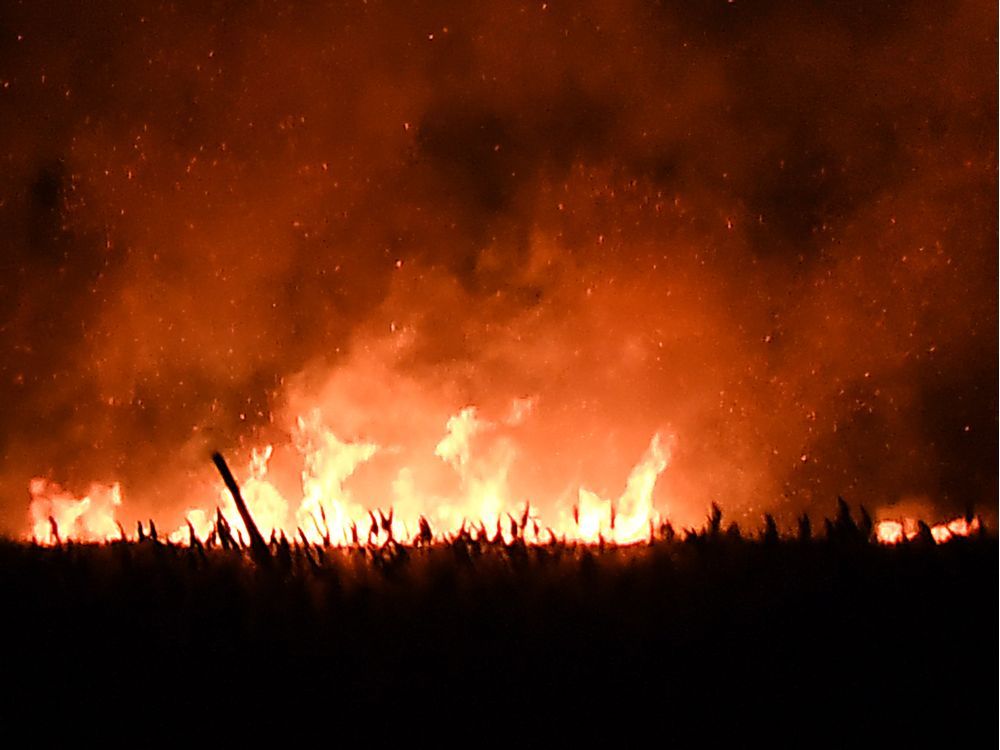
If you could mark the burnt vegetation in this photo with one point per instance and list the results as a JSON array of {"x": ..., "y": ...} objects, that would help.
[{"x": 829, "y": 632}]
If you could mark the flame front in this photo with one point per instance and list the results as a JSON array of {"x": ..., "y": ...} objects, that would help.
[{"x": 326, "y": 507}]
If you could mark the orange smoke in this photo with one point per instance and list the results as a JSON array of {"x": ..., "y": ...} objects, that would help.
[{"x": 768, "y": 229}]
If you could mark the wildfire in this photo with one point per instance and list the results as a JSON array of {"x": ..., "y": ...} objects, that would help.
[{"x": 327, "y": 509}]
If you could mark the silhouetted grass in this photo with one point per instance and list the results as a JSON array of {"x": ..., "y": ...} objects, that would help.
[{"x": 828, "y": 631}]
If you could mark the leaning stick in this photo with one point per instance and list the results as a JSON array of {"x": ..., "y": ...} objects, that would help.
[{"x": 257, "y": 544}]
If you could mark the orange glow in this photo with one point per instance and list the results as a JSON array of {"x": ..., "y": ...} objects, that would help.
[
  {"x": 90, "y": 518},
  {"x": 378, "y": 264},
  {"x": 889, "y": 532},
  {"x": 898, "y": 531},
  {"x": 628, "y": 519},
  {"x": 326, "y": 505}
]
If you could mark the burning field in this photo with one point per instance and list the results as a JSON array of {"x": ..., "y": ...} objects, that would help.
[{"x": 488, "y": 306}]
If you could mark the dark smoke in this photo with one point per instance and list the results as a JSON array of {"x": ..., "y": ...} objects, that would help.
[{"x": 770, "y": 227}]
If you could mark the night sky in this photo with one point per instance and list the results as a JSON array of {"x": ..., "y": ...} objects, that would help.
[{"x": 767, "y": 229}]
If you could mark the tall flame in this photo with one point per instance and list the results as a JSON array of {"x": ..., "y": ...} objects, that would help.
[
  {"x": 329, "y": 462},
  {"x": 628, "y": 519}
]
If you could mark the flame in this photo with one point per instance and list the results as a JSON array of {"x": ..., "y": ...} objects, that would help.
[
  {"x": 329, "y": 462},
  {"x": 90, "y": 518},
  {"x": 326, "y": 507},
  {"x": 481, "y": 495},
  {"x": 890, "y": 532},
  {"x": 896, "y": 531},
  {"x": 454, "y": 447},
  {"x": 627, "y": 520}
]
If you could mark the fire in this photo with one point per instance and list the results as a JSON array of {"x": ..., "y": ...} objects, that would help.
[
  {"x": 907, "y": 529},
  {"x": 325, "y": 506},
  {"x": 890, "y": 532},
  {"x": 627, "y": 520},
  {"x": 329, "y": 462},
  {"x": 57, "y": 513}
]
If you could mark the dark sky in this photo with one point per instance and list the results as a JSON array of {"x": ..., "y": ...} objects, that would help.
[{"x": 767, "y": 228}]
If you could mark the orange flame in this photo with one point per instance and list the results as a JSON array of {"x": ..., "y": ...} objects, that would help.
[
  {"x": 55, "y": 511},
  {"x": 326, "y": 505},
  {"x": 627, "y": 520},
  {"x": 899, "y": 530}
]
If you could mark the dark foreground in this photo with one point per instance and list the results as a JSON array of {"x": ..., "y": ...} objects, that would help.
[{"x": 801, "y": 641}]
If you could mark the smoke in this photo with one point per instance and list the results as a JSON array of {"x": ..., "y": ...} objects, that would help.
[{"x": 766, "y": 229}]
